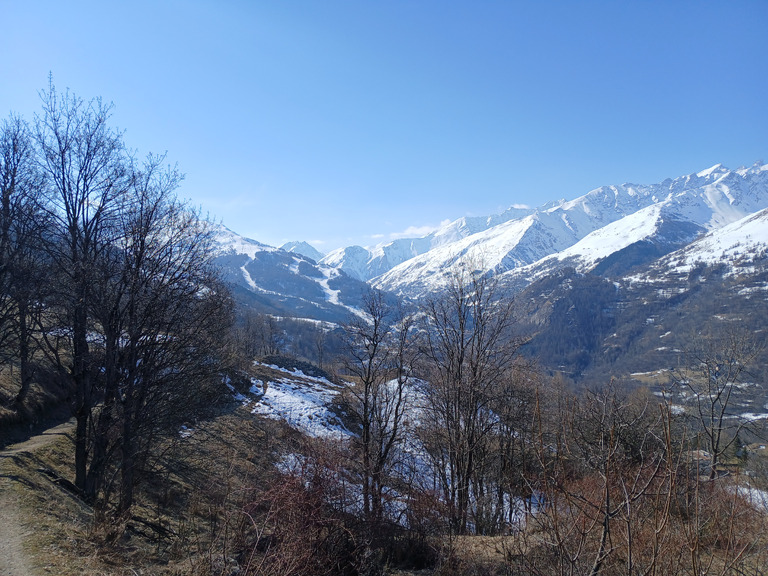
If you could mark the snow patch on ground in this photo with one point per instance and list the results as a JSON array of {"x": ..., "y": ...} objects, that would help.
[
  {"x": 301, "y": 400},
  {"x": 758, "y": 498},
  {"x": 751, "y": 416}
]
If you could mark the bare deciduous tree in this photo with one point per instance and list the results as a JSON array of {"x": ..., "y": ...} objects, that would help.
[
  {"x": 22, "y": 225},
  {"x": 379, "y": 357},
  {"x": 84, "y": 162},
  {"x": 470, "y": 354},
  {"x": 619, "y": 493},
  {"x": 139, "y": 313},
  {"x": 164, "y": 317},
  {"x": 712, "y": 373}
]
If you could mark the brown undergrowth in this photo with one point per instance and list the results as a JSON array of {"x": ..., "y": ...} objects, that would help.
[
  {"x": 184, "y": 519},
  {"x": 215, "y": 504}
]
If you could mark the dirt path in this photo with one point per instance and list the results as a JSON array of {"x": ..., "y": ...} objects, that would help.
[{"x": 14, "y": 530}]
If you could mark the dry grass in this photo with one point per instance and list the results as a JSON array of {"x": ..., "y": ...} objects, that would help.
[
  {"x": 176, "y": 525},
  {"x": 190, "y": 511},
  {"x": 55, "y": 521},
  {"x": 479, "y": 555},
  {"x": 46, "y": 394}
]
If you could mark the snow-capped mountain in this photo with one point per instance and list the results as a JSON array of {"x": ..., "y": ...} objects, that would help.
[
  {"x": 611, "y": 282},
  {"x": 591, "y": 229},
  {"x": 608, "y": 231},
  {"x": 304, "y": 249},
  {"x": 282, "y": 283},
  {"x": 367, "y": 263}
]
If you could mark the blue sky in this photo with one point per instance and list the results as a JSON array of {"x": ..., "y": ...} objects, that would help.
[{"x": 352, "y": 122}]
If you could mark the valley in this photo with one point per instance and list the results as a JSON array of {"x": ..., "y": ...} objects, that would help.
[
  {"x": 658, "y": 245},
  {"x": 445, "y": 403}
]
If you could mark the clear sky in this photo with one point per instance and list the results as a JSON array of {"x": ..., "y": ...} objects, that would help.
[{"x": 352, "y": 122}]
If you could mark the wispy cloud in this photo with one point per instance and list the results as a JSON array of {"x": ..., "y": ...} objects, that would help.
[{"x": 417, "y": 231}]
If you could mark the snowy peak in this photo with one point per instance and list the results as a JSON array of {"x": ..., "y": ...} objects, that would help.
[
  {"x": 607, "y": 231},
  {"x": 717, "y": 169},
  {"x": 606, "y": 221},
  {"x": 228, "y": 242},
  {"x": 304, "y": 249},
  {"x": 367, "y": 263},
  {"x": 287, "y": 284},
  {"x": 352, "y": 259}
]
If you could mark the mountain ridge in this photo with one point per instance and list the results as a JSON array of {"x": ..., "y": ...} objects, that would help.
[
  {"x": 607, "y": 231},
  {"x": 708, "y": 199}
]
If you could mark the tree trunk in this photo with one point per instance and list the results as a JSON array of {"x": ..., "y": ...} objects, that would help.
[
  {"x": 127, "y": 464},
  {"x": 101, "y": 446},
  {"x": 25, "y": 369},
  {"x": 82, "y": 397}
]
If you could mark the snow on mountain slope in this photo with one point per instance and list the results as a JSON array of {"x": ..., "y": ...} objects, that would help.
[
  {"x": 352, "y": 259},
  {"x": 721, "y": 200},
  {"x": 739, "y": 243},
  {"x": 282, "y": 283},
  {"x": 304, "y": 249},
  {"x": 228, "y": 242},
  {"x": 593, "y": 227},
  {"x": 704, "y": 210},
  {"x": 428, "y": 271},
  {"x": 609, "y": 230},
  {"x": 611, "y": 238},
  {"x": 517, "y": 242},
  {"x": 301, "y": 400},
  {"x": 366, "y": 263},
  {"x": 718, "y": 196}
]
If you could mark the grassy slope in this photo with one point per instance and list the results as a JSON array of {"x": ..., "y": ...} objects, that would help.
[{"x": 178, "y": 527}]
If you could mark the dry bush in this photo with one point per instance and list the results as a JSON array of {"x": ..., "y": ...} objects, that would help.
[
  {"x": 622, "y": 495},
  {"x": 474, "y": 556},
  {"x": 722, "y": 533},
  {"x": 303, "y": 523}
]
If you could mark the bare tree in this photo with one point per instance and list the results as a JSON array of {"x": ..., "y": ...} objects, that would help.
[
  {"x": 22, "y": 225},
  {"x": 619, "y": 493},
  {"x": 378, "y": 356},
  {"x": 87, "y": 182},
  {"x": 507, "y": 458},
  {"x": 139, "y": 315},
  {"x": 470, "y": 352},
  {"x": 712, "y": 373},
  {"x": 320, "y": 344},
  {"x": 164, "y": 315}
]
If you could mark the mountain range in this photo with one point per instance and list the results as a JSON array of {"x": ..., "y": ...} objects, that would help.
[
  {"x": 581, "y": 232},
  {"x": 608, "y": 229},
  {"x": 599, "y": 275}
]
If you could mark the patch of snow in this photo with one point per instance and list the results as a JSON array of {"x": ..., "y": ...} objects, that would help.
[
  {"x": 237, "y": 396},
  {"x": 328, "y": 274},
  {"x": 757, "y": 498},
  {"x": 302, "y": 401},
  {"x": 751, "y": 416}
]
